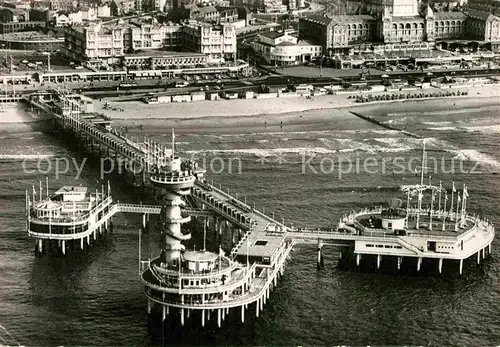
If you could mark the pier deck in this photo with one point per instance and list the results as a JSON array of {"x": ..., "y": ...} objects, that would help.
[{"x": 263, "y": 235}]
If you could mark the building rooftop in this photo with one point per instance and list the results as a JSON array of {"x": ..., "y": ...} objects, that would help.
[
  {"x": 484, "y": 15},
  {"x": 303, "y": 42},
  {"x": 207, "y": 10},
  {"x": 285, "y": 43},
  {"x": 29, "y": 36},
  {"x": 408, "y": 18},
  {"x": 449, "y": 15},
  {"x": 161, "y": 53},
  {"x": 315, "y": 18},
  {"x": 198, "y": 256},
  {"x": 261, "y": 244},
  {"x": 72, "y": 190},
  {"x": 351, "y": 18},
  {"x": 272, "y": 34}
]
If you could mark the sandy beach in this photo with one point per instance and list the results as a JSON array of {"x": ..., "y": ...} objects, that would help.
[
  {"x": 16, "y": 118},
  {"x": 243, "y": 113},
  {"x": 254, "y": 107},
  {"x": 291, "y": 110}
]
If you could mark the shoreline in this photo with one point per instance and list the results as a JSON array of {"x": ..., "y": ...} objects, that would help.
[
  {"x": 258, "y": 112},
  {"x": 239, "y": 108}
]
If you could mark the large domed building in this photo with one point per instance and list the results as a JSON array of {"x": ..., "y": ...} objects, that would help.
[{"x": 391, "y": 25}]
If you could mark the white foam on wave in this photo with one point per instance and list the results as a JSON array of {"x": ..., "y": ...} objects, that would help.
[
  {"x": 473, "y": 155},
  {"x": 442, "y": 112},
  {"x": 25, "y": 156},
  {"x": 260, "y": 152},
  {"x": 487, "y": 129},
  {"x": 445, "y": 128},
  {"x": 439, "y": 123}
]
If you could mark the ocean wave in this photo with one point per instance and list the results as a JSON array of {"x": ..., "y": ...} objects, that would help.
[
  {"x": 261, "y": 152},
  {"x": 445, "y": 128},
  {"x": 25, "y": 156},
  {"x": 483, "y": 129},
  {"x": 475, "y": 156},
  {"x": 444, "y": 112},
  {"x": 439, "y": 123}
]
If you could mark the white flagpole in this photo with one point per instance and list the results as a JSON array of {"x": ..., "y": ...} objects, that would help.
[
  {"x": 139, "y": 251},
  {"x": 27, "y": 207},
  {"x": 248, "y": 251},
  {"x": 407, "y": 206},
  {"x": 444, "y": 210},
  {"x": 432, "y": 207},
  {"x": 41, "y": 191},
  {"x": 173, "y": 142},
  {"x": 464, "y": 202},
  {"x": 47, "y": 185},
  {"x": 204, "y": 235},
  {"x": 439, "y": 202},
  {"x": 74, "y": 211},
  {"x": 34, "y": 194},
  {"x": 29, "y": 211},
  {"x": 458, "y": 204},
  {"x": 451, "y": 205},
  {"x": 220, "y": 258},
  {"x": 50, "y": 223},
  {"x": 420, "y": 188}
]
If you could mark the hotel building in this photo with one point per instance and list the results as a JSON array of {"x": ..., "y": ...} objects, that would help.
[
  {"x": 400, "y": 24},
  {"x": 113, "y": 44}
]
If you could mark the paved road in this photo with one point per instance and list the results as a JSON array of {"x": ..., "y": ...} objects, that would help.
[{"x": 108, "y": 88}]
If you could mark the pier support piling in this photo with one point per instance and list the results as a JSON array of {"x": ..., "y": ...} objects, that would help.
[
  {"x": 379, "y": 257},
  {"x": 460, "y": 267},
  {"x": 81, "y": 243},
  {"x": 320, "y": 255},
  {"x": 242, "y": 313},
  {"x": 149, "y": 306},
  {"x": 63, "y": 247},
  {"x": 163, "y": 313},
  {"x": 202, "y": 318},
  {"x": 358, "y": 259},
  {"x": 419, "y": 263},
  {"x": 399, "y": 263},
  {"x": 440, "y": 265},
  {"x": 218, "y": 317},
  {"x": 478, "y": 257},
  {"x": 182, "y": 317}
]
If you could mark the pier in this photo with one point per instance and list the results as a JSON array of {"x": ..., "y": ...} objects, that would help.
[{"x": 210, "y": 284}]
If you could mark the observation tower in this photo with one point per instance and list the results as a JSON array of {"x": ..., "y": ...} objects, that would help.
[{"x": 189, "y": 280}]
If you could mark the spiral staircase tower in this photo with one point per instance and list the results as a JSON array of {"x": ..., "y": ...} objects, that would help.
[{"x": 174, "y": 182}]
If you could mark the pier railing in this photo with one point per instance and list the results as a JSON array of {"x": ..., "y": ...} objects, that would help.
[
  {"x": 69, "y": 219},
  {"x": 241, "y": 204}
]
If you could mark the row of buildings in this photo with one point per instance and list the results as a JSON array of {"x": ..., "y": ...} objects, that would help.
[
  {"x": 403, "y": 24},
  {"x": 383, "y": 29},
  {"x": 145, "y": 43}
]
